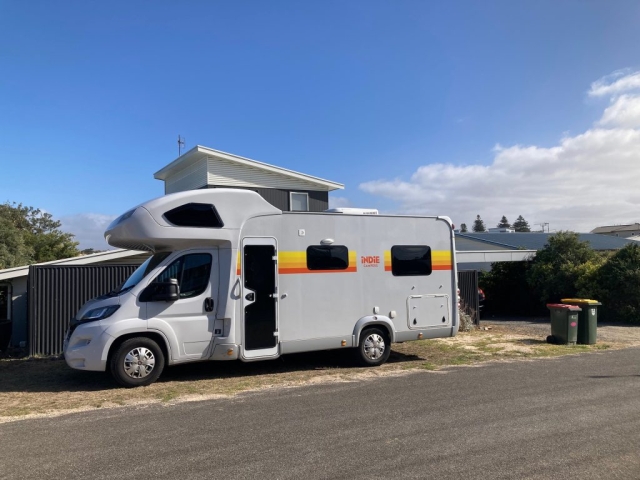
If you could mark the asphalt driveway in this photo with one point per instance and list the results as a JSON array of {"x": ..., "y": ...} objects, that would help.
[{"x": 569, "y": 417}]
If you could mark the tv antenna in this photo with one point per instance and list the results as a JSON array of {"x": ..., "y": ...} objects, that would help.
[{"x": 180, "y": 144}]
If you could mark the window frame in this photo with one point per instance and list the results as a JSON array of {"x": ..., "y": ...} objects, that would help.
[
  {"x": 180, "y": 273},
  {"x": 291, "y": 194},
  {"x": 327, "y": 247},
  {"x": 398, "y": 274}
]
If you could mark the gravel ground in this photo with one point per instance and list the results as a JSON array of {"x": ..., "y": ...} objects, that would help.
[{"x": 541, "y": 327}]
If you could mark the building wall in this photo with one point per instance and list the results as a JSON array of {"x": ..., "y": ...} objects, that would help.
[
  {"x": 189, "y": 178},
  {"x": 231, "y": 174},
  {"x": 279, "y": 198},
  {"x": 622, "y": 234}
]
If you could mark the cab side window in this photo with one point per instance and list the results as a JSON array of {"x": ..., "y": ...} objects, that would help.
[{"x": 192, "y": 272}]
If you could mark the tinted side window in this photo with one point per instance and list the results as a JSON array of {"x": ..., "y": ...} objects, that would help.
[
  {"x": 192, "y": 272},
  {"x": 410, "y": 260},
  {"x": 196, "y": 271},
  {"x": 327, "y": 257},
  {"x": 194, "y": 215}
]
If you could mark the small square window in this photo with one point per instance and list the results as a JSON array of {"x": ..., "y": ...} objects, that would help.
[
  {"x": 299, "y": 202},
  {"x": 410, "y": 260}
]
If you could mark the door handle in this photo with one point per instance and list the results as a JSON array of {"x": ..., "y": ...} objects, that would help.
[
  {"x": 208, "y": 304},
  {"x": 250, "y": 296}
]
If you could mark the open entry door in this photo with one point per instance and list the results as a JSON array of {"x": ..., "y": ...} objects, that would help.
[{"x": 260, "y": 297}]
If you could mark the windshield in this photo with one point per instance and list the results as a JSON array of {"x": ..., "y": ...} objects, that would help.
[{"x": 142, "y": 271}]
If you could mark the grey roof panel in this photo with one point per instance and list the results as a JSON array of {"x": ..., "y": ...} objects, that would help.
[
  {"x": 616, "y": 228},
  {"x": 537, "y": 241}
]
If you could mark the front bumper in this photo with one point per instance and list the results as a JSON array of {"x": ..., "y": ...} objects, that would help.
[{"x": 86, "y": 348}]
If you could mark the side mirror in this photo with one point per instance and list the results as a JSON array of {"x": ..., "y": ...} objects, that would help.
[{"x": 161, "y": 292}]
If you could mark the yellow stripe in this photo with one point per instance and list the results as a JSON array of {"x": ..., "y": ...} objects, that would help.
[
  {"x": 440, "y": 260},
  {"x": 387, "y": 260},
  {"x": 296, "y": 262}
]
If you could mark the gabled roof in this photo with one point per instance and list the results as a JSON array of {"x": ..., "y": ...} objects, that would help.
[
  {"x": 537, "y": 241},
  {"x": 616, "y": 228},
  {"x": 119, "y": 256},
  {"x": 199, "y": 152}
]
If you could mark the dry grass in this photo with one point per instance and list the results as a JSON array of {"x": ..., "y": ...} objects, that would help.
[{"x": 43, "y": 386}]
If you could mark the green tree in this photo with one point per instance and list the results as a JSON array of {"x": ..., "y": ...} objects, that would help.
[
  {"x": 504, "y": 223},
  {"x": 559, "y": 268},
  {"x": 478, "y": 225},
  {"x": 28, "y": 235},
  {"x": 463, "y": 228},
  {"x": 521, "y": 225},
  {"x": 617, "y": 285}
]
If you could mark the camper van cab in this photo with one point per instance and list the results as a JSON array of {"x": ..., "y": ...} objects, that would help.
[{"x": 232, "y": 277}]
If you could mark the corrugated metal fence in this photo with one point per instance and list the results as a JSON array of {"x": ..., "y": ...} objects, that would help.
[
  {"x": 468, "y": 285},
  {"x": 56, "y": 294}
]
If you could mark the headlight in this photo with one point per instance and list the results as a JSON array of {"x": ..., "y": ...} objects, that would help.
[{"x": 99, "y": 313}]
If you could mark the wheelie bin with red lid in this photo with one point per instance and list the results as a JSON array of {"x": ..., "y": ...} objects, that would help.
[{"x": 564, "y": 323}]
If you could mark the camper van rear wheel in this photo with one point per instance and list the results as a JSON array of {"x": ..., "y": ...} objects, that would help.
[
  {"x": 137, "y": 362},
  {"x": 374, "y": 347}
]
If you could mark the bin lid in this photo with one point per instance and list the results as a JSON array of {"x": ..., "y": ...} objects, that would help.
[
  {"x": 562, "y": 306},
  {"x": 579, "y": 300}
]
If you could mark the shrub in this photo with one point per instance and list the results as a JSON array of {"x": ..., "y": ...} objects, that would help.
[
  {"x": 466, "y": 320},
  {"x": 559, "y": 268},
  {"x": 617, "y": 285}
]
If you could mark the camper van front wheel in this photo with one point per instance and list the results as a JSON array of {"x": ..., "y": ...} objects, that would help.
[
  {"x": 137, "y": 362},
  {"x": 374, "y": 347}
]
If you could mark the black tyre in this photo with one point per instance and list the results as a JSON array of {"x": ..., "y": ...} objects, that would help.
[
  {"x": 374, "y": 347},
  {"x": 137, "y": 362}
]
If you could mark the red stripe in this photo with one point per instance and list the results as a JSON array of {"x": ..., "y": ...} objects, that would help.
[{"x": 306, "y": 270}]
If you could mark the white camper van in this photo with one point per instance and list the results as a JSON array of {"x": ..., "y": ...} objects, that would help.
[{"x": 233, "y": 277}]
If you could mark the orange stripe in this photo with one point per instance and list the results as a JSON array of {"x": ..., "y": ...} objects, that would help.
[
  {"x": 296, "y": 262},
  {"x": 440, "y": 260}
]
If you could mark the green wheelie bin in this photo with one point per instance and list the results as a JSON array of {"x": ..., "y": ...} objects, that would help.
[
  {"x": 564, "y": 323},
  {"x": 587, "y": 319}
]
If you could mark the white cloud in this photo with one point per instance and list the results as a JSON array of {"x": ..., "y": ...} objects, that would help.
[
  {"x": 584, "y": 181},
  {"x": 624, "y": 111},
  {"x": 616, "y": 83},
  {"x": 88, "y": 229}
]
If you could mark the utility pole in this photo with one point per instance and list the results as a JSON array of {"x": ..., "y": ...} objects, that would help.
[{"x": 180, "y": 145}]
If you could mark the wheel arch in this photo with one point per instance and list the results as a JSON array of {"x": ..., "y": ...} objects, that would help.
[
  {"x": 373, "y": 321},
  {"x": 156, "y": 336}
]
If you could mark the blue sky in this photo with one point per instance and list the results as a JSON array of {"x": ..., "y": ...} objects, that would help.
[{"x": 366, "y": 93}]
